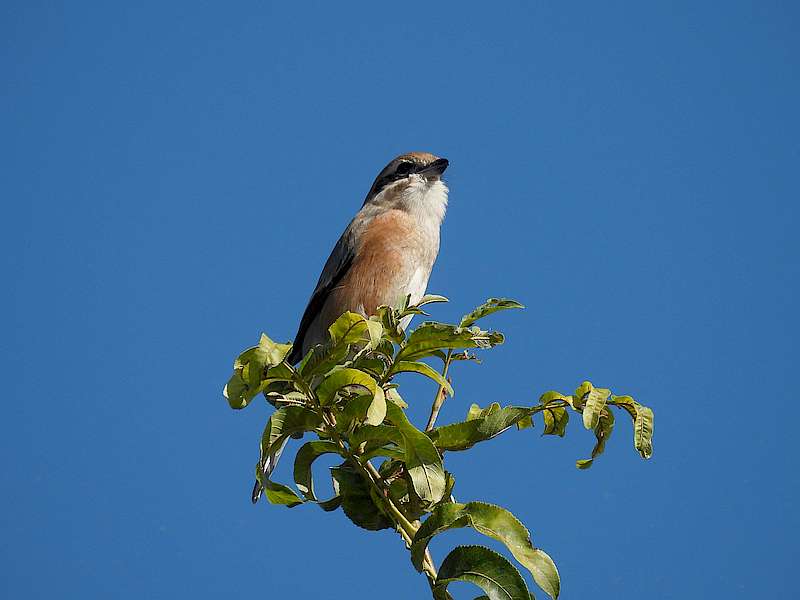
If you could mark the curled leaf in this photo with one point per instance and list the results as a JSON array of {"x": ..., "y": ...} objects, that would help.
[
  {"x": 482, "y": 567},
  {"x": 492, "y": 305},
  {"x": 494, "y": 522}
]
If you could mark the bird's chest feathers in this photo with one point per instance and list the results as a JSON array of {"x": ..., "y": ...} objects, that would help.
[{"x": 394, "y": 258}]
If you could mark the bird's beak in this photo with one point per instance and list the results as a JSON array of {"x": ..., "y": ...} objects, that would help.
[{"x": 436, "y": 168}]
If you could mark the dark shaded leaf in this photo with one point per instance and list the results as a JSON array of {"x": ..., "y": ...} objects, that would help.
[
  {"x": 483, "y": 567},
  {"x": 497, "y": 523},
  {"x": 303, "y": 460},
  {"x": 356, "y": 500}
]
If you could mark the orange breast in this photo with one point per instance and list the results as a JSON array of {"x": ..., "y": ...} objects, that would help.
[{"x": 386, "y": 258}]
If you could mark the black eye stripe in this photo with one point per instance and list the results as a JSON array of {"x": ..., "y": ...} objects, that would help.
[{"x": 404, "y": 168}]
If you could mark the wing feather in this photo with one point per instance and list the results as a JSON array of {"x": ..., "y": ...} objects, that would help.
[{"x": 336, "y": 267}]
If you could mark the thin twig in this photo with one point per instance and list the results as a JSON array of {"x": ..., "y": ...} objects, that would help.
[{"x": 441, "y": 394}]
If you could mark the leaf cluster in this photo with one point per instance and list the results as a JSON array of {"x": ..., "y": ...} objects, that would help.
[{"x": 343, "y": 392}]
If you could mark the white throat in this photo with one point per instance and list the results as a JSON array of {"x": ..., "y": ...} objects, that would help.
[{"x": 427, "y": 200}]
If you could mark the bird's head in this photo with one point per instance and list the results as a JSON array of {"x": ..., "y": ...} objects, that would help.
[{"x": 412, "y": 182}]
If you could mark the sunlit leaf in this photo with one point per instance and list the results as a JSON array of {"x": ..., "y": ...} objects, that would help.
[
  {"x": 642, "y": 423},
  {"x": 525, "y": 423},
  {"x": 474, "y": 412},
  {"x": 340, "y": 378},
  {"x": 349, "y": 329},
  {"x": 492, "y": 305},
  {"x": 430, "y": 299},
  {"x": 423, "y": 462},
  {"x": 431, "y": 337},
  {"x": 277, "y": 493},
  {"x": 595, "y": 402},
  {"x": 602, "y": 431},
  {"x": 376, "y": 412},
  {"x": 237, "y": 392},
  {"x": 407, "y": 366},
  {"x": 643, "y": 431},
  {"x": 463, "y": 435},
  {"x": 555, "y": 420}
]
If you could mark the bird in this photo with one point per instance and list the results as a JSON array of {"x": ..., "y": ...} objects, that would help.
[
  {"x": 385, "y": 254},
  {"x": 387, "y": 251}
]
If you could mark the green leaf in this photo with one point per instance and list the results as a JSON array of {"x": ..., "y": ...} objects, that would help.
[
  {"x": 277, "y": 493},
  {"x": 349, "y": 329},
  {"x": 340, "y": 378},
  {"x": 474, "y": 412},
  {"x": 430, "y": 299},
  {"x": 550, "y": 396},
  {"x": 525, "y": 423},
  {"x": 642, "y": 423},
  {"x": 380, "y": 435},
  {"x": 238, "y": 392},
  {"x": 406, "y": 366},
  {"x": 595, "y": 402},
  {"x": 375, "y": 332},
  {"x": 464, "y": 435},
  {"x": 492, "y": 305},
  {"x": 643, "y": 431},
  {"x": 286, "y": 421},
  {"x": 357, "y": 502},
  {"x": 308, "y": 453},
  {"x": 422, "y": 460},
  {"x": 249, "y": 369},
  {"x": 555, "y": 421},
  {"x": 496, "y": 523},
  {"x": 269, "y": 353},
  {"x": 431, "y": 337},
  {"x": 376, "y": 412},
  {"x": 581, "y": 395},
  {"x": 392, "y": 395},
  {"x": 483, "y": 567},
  {"x": 625, "y": 402},
  {"x": 321, "y": 359},
  {"x": 602, "y": 432}
]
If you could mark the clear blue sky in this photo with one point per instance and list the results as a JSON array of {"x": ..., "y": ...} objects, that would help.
[{"x": 174, "y": 176}]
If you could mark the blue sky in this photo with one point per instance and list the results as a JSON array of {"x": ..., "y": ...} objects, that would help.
[{"x": 174, "y": 176}]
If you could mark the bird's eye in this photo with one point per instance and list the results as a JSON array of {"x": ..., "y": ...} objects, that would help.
[{"x": 404, "y": 168}]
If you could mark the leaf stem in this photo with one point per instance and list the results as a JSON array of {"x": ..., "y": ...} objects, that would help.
[{"x": 441, "y": 394}]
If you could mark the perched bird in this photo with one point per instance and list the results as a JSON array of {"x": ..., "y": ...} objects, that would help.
[{"x": 385, "y": 253}]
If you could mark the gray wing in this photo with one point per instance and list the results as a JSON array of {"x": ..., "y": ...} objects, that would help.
[{"x": 336, "y": 267}]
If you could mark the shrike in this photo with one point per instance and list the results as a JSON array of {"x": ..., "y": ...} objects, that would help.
[{"x": 385, "y": 253}]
